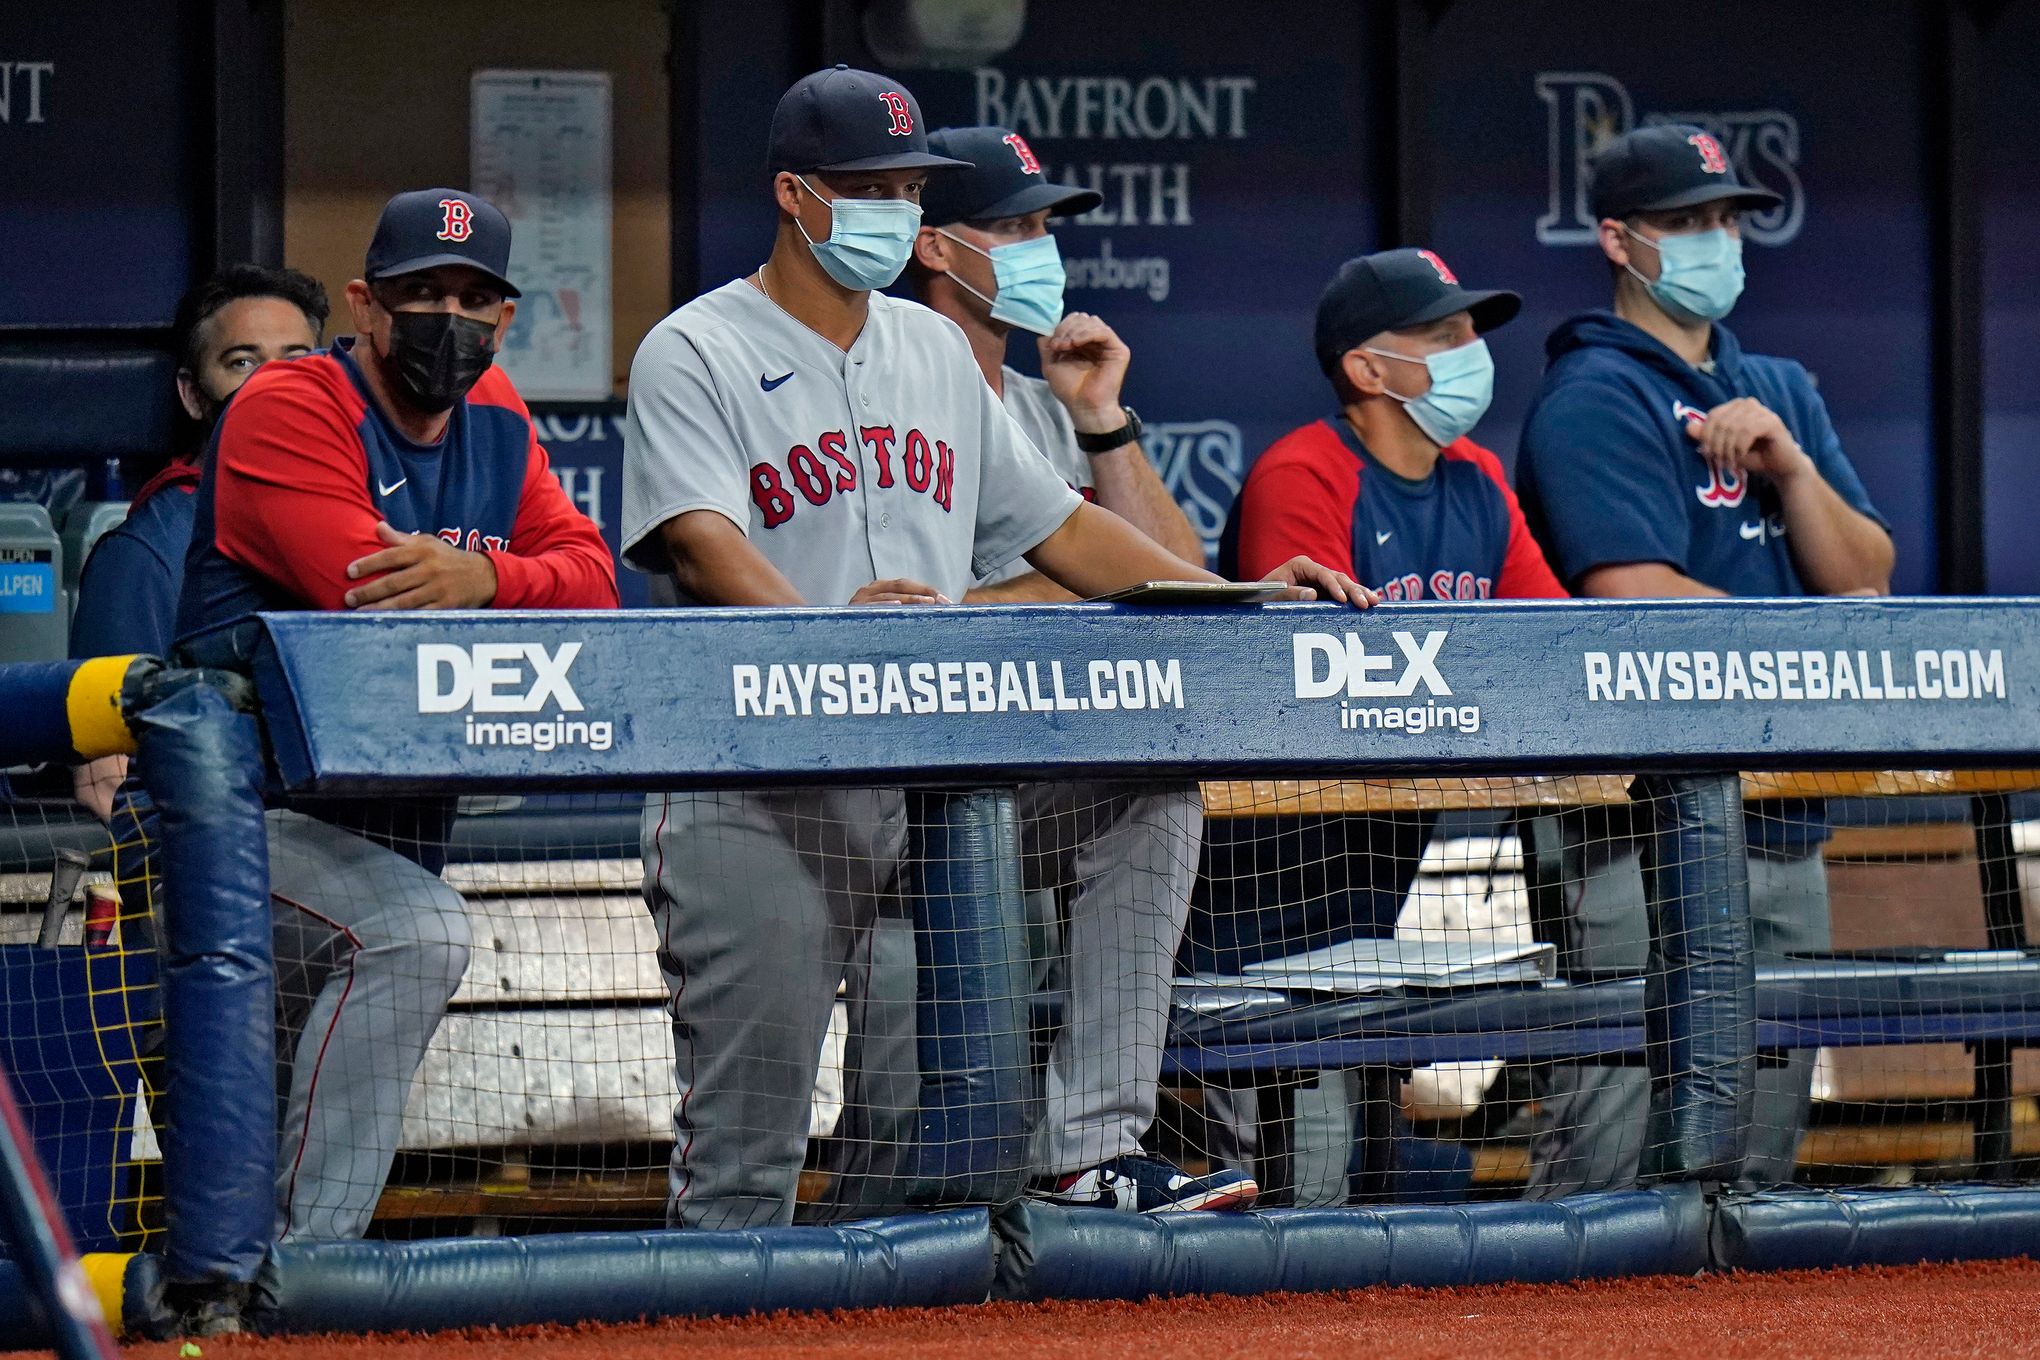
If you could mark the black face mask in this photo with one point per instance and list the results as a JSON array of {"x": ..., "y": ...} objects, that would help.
[{"x": 436, "y": 357}]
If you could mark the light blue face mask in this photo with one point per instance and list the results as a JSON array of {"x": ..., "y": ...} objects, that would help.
[
  {"x": 1462, "y": 385},
  {"x": 869, "y": 239},
  {"x": 1030, "y": 280},
  {"x": 1700, "y": 275}
]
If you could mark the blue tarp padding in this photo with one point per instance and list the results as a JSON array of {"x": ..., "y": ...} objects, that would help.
[
  {"x": 22, "y": 1326},
  {"x": 920, "y": 1260},
  {"x": 1917, "y": 996},
  {"x": 33, "y": 695},
  {"x": 73, "y": 1024},
  {"x": 971, "y": 1011},
  {"x": 1052, "y": 1252},
  {"x": 1802, "y": 1229},
  {"x": 1047, "y": 1251},
  {"x": 202, "y": 764}
]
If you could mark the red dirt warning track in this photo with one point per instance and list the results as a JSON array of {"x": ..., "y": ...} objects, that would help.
[{"x": 1988, "y": 1309}]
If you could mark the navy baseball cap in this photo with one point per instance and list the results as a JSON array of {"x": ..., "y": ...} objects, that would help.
[
  {"x": 1672, "y": 165},
  {"x": 1003, "y": 179},
  {"x": 426, "y": 228},
  {"x": 1396, "y": 289},
  {"x": 841, "y": 119}
]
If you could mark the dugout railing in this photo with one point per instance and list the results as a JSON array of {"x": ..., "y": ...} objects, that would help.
[{"x": 1655, "y": 705}]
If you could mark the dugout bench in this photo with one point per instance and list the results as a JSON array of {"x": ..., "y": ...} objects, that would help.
[{"x": 1270, "y": 1040}]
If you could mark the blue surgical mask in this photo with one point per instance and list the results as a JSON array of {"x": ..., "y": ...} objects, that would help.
[
  {"x": 1030, "y": 279},
  {"x": 1700, "y": 274},
  {"x": 869, "y": 239},
  {"x": 1462, "y": 385}
]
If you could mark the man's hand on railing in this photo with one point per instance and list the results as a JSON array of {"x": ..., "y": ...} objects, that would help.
[{"x": 1308, "y": 580}]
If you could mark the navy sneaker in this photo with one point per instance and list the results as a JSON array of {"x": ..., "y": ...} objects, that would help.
[{"x": 1148, "y": 1185}]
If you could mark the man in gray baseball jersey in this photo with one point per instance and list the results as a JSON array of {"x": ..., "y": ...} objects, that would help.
[
  {"x": 795, "y": 437},
  {"x": 1120, "y": 857}
]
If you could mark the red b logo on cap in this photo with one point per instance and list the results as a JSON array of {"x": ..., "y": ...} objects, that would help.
[
  {"x": 1711, "y": 158},
  {"x": 1028, "y": 164},
  {"x": 459, "y": 222},
  {"x": 1444, "y": 272},
  {"x": 902, "y": 116}
]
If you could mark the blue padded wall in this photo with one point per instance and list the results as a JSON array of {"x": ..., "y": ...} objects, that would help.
[
  {"x": 81, "y": 403},
  {"x": 202, "y": 763},
  {"x": 1699, "y": 1000},
  {"x": 1051, "y": 1252},
  {"x": 922, "y": 1260},
  {"x": 970, "y": 936},
  {"x": 1045, "y": 1251},
  {"x": 1805, "y": 1229}
]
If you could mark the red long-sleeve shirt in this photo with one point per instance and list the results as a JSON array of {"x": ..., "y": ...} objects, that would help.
[
  {"x": 305, "y": 464},
  {"x": 1457, "y": 534}
]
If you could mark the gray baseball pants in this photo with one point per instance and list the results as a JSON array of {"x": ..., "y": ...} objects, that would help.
[
  {"x": 766, "y": 902},
  {"x": 370, "y": 948},
  {"x": 1593, "y": 1133}
]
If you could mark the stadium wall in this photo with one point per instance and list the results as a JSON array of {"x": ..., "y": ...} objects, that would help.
[{"x": 1332, "y": 151}]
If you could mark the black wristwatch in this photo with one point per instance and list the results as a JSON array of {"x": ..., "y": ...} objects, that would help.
[{"x": 1128, "y": 433}]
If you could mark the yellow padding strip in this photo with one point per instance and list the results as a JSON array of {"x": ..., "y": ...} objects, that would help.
[
  {"x": 107, "y": 1273},
  {"x": 93, "y": 705}
]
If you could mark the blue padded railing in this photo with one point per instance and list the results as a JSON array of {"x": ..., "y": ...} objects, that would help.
[{"x": 976, "y": 698}]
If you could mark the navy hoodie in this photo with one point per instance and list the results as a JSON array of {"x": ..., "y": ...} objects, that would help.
[{"x": 1607, "y": 474}]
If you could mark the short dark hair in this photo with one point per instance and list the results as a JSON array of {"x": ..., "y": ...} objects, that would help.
[
  {"x": 1342, "y": 386},
  {"x": 194, "y": 309},
  {"x": 237, "y": 281}
]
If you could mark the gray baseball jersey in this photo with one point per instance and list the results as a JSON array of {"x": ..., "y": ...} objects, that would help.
[
  {"x": 891, "y": 460},
  {"x": 1032, "y": 402}
]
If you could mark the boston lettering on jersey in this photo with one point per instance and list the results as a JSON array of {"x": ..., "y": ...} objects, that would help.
[
  {"x": 889, "y": 458},
  {"x": 928, "y": 466},
  {"x": 475, "y": 540}
]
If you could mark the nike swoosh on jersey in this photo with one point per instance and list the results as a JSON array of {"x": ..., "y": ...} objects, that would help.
[
  {"x": 382, "y": 490},
  {"x": 766, "y": 384},
  {"x": 1381, "y": 538}
]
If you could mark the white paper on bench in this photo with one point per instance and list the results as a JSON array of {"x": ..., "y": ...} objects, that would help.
[{"x": 1371, "y": 965}]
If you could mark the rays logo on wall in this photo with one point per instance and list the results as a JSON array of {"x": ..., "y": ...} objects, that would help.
[
  {"x": 1204, "y": 465},
  {"x": 1584, "y": 110}
]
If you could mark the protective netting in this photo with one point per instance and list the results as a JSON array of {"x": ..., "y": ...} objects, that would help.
[{"x": 806, "y": 1005}]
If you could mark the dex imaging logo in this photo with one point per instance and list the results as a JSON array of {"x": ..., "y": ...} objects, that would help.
[
  {"x": 1584, "y": 110},
  {"x": 1329, "y": 665},
  {"x": 515, "y": 678}
]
